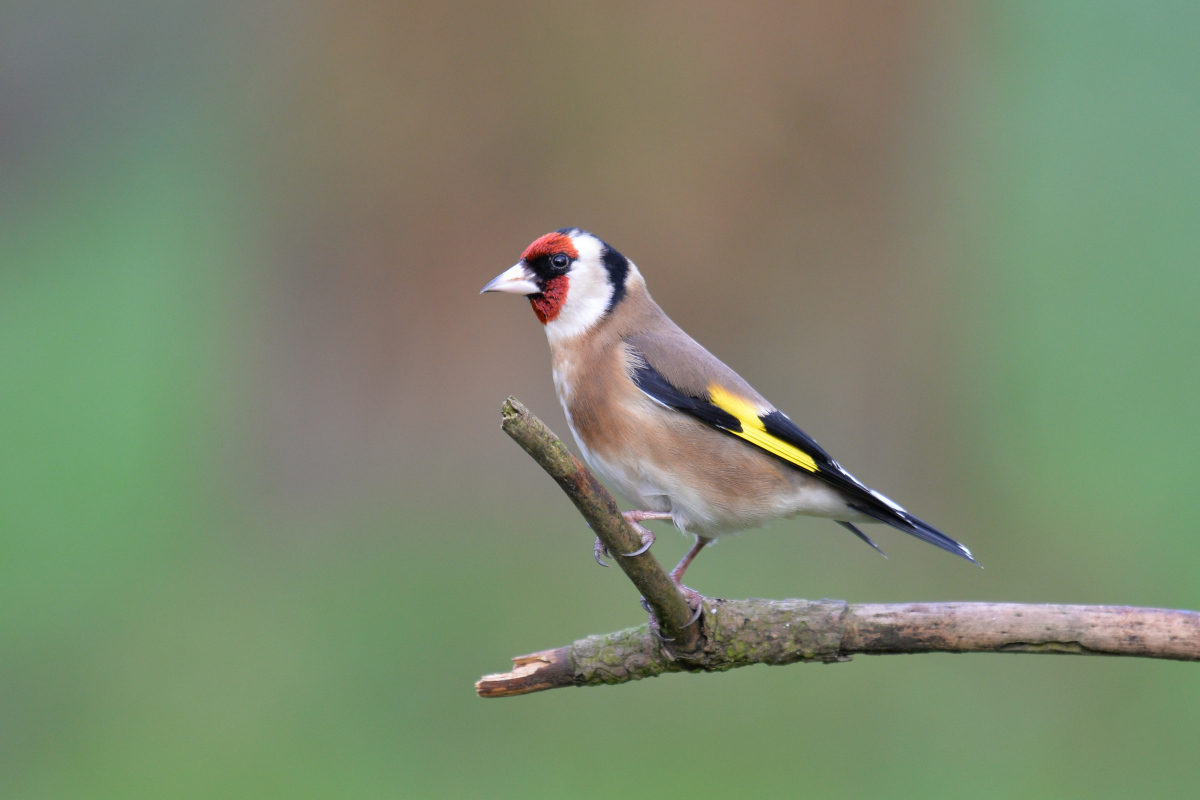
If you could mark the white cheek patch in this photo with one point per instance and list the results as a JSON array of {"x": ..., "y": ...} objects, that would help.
[{"x": 588, "y": 293}]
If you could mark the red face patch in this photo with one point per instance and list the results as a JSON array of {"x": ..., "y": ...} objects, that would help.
[
  {"x": 550, "y": 244},
  {"x": 547, "y": 304}
]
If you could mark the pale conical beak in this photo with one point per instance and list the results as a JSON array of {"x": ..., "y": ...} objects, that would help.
[{"x": 515, "y": 280}]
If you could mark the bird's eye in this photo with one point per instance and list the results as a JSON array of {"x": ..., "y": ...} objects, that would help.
[{"x": 559, "y": 261}]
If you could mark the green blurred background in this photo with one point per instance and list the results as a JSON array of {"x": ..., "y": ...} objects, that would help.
[{"x": 260, "y": 531}]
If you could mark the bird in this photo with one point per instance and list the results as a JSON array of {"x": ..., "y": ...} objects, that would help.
[{"x": 676, "y": 431}]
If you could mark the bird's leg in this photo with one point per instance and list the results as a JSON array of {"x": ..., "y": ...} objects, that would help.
[
  {"x": 686, "y": 561},
  {"x": 695, "y": 599},
  {"x": 601, "y": 552},
  {"x": 633, "y": 518}
]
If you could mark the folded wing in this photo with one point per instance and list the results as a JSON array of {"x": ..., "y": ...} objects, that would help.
[{"x": 727, "y": 408}]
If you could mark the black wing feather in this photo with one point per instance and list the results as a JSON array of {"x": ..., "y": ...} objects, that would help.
[
  {"x": 777, "y": 424},
  {"x": 651, "y": 381}
]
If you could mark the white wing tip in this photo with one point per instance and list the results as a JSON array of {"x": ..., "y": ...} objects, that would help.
[{"x": 892, "y": 504}]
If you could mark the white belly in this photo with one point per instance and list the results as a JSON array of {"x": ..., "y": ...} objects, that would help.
[{"x": 651, "y": 487}]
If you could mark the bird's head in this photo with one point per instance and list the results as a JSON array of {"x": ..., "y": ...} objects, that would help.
[{"x": 572, "y": 280}]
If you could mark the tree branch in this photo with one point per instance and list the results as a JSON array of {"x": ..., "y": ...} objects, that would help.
[
  {"x": 736, "y": 633},
  {"x": 600, "y": 510}
]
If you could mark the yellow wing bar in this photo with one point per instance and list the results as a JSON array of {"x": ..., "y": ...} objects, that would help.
[{"x": 754, "y": 431}]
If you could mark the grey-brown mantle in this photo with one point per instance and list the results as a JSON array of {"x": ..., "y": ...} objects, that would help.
[{"x": 736, "y": 633}]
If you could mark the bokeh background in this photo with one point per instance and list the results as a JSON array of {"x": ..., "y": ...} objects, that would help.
[{"x": 259, "y": 528}]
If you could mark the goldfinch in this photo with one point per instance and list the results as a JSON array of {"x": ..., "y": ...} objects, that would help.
[{"x": 664, "y": 421}]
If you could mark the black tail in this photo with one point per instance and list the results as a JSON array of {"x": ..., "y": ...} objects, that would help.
[
  {"x": 902, "y": 520},
  {"x": 855, "y": 530}
]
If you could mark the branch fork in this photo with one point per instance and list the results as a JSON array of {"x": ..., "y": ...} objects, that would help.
[{"x": 736, "y": 633}]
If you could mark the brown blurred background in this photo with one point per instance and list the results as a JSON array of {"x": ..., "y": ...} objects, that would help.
[{"x": 760, "y": 164}]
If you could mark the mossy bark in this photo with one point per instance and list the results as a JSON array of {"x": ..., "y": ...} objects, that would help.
[{"x": 738, "y": 633}]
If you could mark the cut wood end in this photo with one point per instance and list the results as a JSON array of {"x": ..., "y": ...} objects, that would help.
[
  {"x": 513, "y": 410},
  {"x": 535, "y": 672}
]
